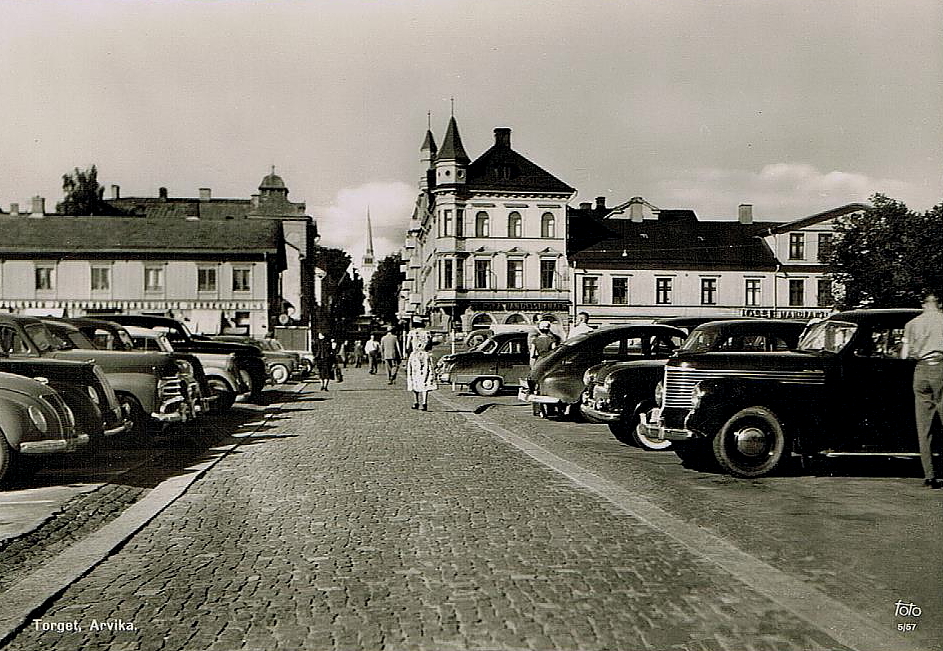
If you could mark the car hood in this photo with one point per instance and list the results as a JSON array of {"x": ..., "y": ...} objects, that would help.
[
  {"x": 59, "y": 369},
  {"x": 607, "y": 369},
  {"x": 793, "y": 360},
  {"x": 23, "y": 385},
  {"x": 119, "y": 361}
]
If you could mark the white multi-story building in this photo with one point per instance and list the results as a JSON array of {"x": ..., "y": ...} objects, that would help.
[
  {"x": 487, "y": 241},
  {"x": 636, "y": 261}
]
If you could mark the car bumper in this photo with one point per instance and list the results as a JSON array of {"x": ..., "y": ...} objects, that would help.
[
  {"x": 526, "y": 396},
  {"x": 54, "y": 446},
  {"x": 651, "y": 426},
  {"x": 597, "y": 416}
]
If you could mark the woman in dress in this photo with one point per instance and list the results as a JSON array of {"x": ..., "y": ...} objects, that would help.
[
  {"x": 325, "y": 358},
  {"x": 420, "y": 376}
]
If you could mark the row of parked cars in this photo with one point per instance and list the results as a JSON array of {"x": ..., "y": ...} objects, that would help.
[
  {"x": 741, "y": 395},
  {"x": 66, "y": 382}
]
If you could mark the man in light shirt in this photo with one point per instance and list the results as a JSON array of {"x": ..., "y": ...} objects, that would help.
[{"x": 582, "y": 325}]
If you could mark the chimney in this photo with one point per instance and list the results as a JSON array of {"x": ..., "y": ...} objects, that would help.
[
  {"x": 162, "y": 193},
  {"x": 14, "y": 210},
  {"x": 39, "y": 207},
  {"x": 745, "y": 213},
  {"x": 115, "y": 191},
  {"x": 636, "y": 212},
  {"x": 205, "y": 194},
  {"x": 586, "y": 206},
  {"x": 600, "y": 203},
  {"x": 502, "y": 137},
  {"x": 255, "y": 202}
]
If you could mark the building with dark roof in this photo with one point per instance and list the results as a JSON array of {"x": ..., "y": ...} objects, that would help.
[
  {"x": 637, "y": 261},
  {"x": 487, "y": 238},
  {"x": 212, "y": 273}
]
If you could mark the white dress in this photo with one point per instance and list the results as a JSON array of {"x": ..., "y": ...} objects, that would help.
[{"x": 420, "y": 372}]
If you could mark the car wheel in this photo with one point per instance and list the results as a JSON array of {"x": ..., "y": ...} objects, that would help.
[
  {"x": 139, "y": 419},
  {"x": 225, "y": 396},
  {"x": 640, "y": 439},
  {"x": 279, "y": 373},
  {"x": 695, "y": 455},
  {"x": 486, "y": 386},
  {"x": 623, "y": 432},
  {"x": 751, "y": 444}
]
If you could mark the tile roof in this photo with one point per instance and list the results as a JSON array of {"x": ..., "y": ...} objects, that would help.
[
  {"x": 818, "y": 218},
  {"x": 52, "y": 235},
  {"x": 452, "y": 148},
  {"x": 502, "y": 168}
]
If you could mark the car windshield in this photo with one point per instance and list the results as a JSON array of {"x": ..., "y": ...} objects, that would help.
[
  {"x": 125, "y": 339},
  {"x": 828, "y": 336},
  {"x": 699, "y": 341},
  {"x": 45, "y": 340},
  {"x": 487, "y": 346}
]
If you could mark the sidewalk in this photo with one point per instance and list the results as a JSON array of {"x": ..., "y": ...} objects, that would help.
[{"x": 354, "y": 522}]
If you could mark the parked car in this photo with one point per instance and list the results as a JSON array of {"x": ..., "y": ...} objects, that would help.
[
  {"x": 29, "y": 350},
  {"x": 498, "y": 362},
  {"x": 157, "y": 389},
  {"x": 252, "y": 370},
  {"x": 557, "y": 378},
  {"x": 222, "y": 372},
  {"x": 844, "y": 391},
  {"x": 617, "y": 393},
  {"x": 34, "y": 420},
  {"x": 280, "y": 364}
]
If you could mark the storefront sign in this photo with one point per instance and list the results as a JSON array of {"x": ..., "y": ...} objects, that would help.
[{"x": 785, "y": 313}]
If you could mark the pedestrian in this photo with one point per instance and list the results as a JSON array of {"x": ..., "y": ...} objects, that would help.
[
  {"x": 325, "y": 358},
  {"x": 923, "y": 341},
  {"x": 582, "y": 326},
  {"x": 418, "y": 336},
  {"x": 391, "y": 352},
  {"x": 420, "y": 375},
  {"x": 358, "y": 354},
  {"x": 541, "y": 344},
  {"x": 372, "y": 350},
  {"x": 342, "y": 352}
]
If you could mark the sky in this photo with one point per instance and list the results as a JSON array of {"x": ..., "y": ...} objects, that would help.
[{"x": 793, "y": 106}]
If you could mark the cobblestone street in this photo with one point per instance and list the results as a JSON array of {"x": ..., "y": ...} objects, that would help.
[{"x": 353, "y": 522}]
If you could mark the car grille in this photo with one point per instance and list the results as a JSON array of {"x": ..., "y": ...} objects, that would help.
[
  {"x": 680, "y": 382},
  {"x": 106, "y": 387},
  {"x": 63, "y": 413}
]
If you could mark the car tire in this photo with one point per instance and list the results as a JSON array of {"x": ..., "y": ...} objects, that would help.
[
  {"x": 752, "y": 443},
  {"x": 139, "y": 419},
  {"x": 279, "y": 373},
  {"x": 623, "y": 432},
  {"x": 486, "y": 386},
  {"x": 641, "y": 440},
  {"x": 225, "y": 396},
  {"x": 696, "y": 455}
]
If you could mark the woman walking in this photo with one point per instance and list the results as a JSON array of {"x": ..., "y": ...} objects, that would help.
[
  {"x": 420, "y": 376},
  {"x": 325, "y": 358}
]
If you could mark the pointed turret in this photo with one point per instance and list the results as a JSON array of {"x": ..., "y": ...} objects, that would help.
[
  {"x": 368, "y": 253},
  {"x": 451, "y": 161},
  {"x": 368, "y": 266},
  {"x": 427, "y": 158}
]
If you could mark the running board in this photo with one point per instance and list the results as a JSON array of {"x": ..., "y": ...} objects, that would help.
[{"x": 871, "y": 454}]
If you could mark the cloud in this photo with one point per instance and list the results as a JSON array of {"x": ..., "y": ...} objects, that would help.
[
  {"x": 779, "y": 191},
  {"x": 343, "y": 224}
]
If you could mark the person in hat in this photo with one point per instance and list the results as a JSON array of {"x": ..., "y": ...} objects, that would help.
[
  {"x": 418, "y": 335},
  {"x": 420, "y": 375},
  {"x": 392, "y": 353},
  {"x": 541, "y": 344}
]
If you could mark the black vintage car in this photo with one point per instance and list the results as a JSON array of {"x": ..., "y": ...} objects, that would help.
[
  {"x": 844, "y": 391},
  {"x": 617, "y": 393},
  {"x": 499, "y": 361},
  {"x": 557, "y": 378}
]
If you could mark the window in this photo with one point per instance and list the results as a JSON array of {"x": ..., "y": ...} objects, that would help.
[
  {"x": 824, "y": 294},
  {"x": 446, "y": 223},
  {"x": 459, "y": 223},
  {"x": 825, "y": 247},
  {"x": 590, "y": 290},
  {"x": 797, "y": 246},
  {"x": 752, "y": 292},
  {"x": 548, "y": 269},
  {"x": 241, "y": 280},
  {"x": 796, "y": 292},
  {"x": 547, "y": 225},
  {"x": 45, "y": 278},
  {"x": 482, "y": 274},
  {"x": 459, "y": 274},
  {"x": 663, "y": 291},
  {"x": 515, "y": 274},
  {"x": 708, "y": 291},
  {"x": 11, "y": 343},
  {"x": 153, "y": 279},
  {"x": 448, "y": 275},
  {"x": 514, "y": 224},
  {"x": 620, "y": 291},
  {"x": 206, "y": 279},
  {"x": 482, "y": 228},
  {"x": 101, "y": 279}
]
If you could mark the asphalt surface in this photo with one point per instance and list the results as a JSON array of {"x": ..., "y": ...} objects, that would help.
[{"x": 346, "y": 520}]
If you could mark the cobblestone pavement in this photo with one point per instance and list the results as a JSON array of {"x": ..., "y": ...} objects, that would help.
[{"x": 353, "y": 522}]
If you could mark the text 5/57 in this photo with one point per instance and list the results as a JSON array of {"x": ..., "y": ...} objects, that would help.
[{"x": 906, "y": 627}]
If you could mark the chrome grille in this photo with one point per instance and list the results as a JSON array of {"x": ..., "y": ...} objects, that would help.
[
  {"x": 680, "y": 382},
  {"x": 106, "y": 387},
  {"x": 63, "y": 413}
]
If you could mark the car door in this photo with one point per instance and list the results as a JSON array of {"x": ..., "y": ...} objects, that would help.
[{"x": 512, "y": 361}]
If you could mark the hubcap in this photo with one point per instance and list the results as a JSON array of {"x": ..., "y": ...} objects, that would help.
[{"x": 751, "y": 442}]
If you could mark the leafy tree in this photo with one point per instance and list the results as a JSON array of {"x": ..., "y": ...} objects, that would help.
[
  {"x": 83, "y": 194},
  {"x": 347, "y": 304},
  {"x": 342, "y": 293},
  {"x": 384, "y": 288},
  {"x": 888, "y": 255}
]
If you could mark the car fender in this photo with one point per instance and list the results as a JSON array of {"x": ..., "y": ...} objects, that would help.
[
  {"x": 15, "y": 424},
  {"x": 724, "y": 397},
  {"x": 143, "y": 386}
]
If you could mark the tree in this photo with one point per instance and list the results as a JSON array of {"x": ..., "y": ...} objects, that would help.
[
  {"x": 83, "y": 194},
  {"x": 347, "y": 304},
  {"x": 384, "y": 288},
  {"x": 888, "y": 255},
  {"x": 343, "y": 296}
]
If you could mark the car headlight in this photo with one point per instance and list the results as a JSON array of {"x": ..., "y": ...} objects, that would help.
[
  {"x": 588, "y": 377},
  {"x": 93, "y": 394},
  {"x": 38, "y": 419},
  {"x": 184, "y": 366},
  {"x": 660, "y": 394},
  {"x": 698, "y": 393}
]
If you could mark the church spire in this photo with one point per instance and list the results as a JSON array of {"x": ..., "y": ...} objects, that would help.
[{"x": 368, "y": 255}]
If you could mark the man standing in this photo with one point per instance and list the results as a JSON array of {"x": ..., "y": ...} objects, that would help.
[
  {"x": 372, "y": 350},
  {"x": 541, "y": 344},
  {"x": 582, "y": 325},
  {"x": 923, "y": 341},
  {"x": 392, "y": 354}
]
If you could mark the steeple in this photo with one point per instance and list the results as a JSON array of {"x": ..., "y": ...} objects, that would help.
[
  {"x": 368, "y": 253},
  {"x": 427, "y": 159},
  {"x": 367, "y": 268},
  {"x": 451, "y": 161}
]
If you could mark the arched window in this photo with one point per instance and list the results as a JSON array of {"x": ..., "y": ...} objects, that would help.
[
  {"x": 481, "y": 321},
  {"x": 547, "y": 228},
  {"x": 515, "y": 319},
  {"x": 514, "y": 224},
  {"x": 481, "y": 225}
]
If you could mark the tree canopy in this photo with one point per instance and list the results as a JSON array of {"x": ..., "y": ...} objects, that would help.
[
  {"x": 888, "y": 255},
  {"x": 83, "y": 194},
  {"x": 384, "y": 288},
  {"x": 343, "y": 292}
]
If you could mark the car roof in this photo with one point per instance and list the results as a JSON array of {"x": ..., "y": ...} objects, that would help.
[
  {"x": 744, "y": 324},
  {"x": 875, "y": 314}
]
